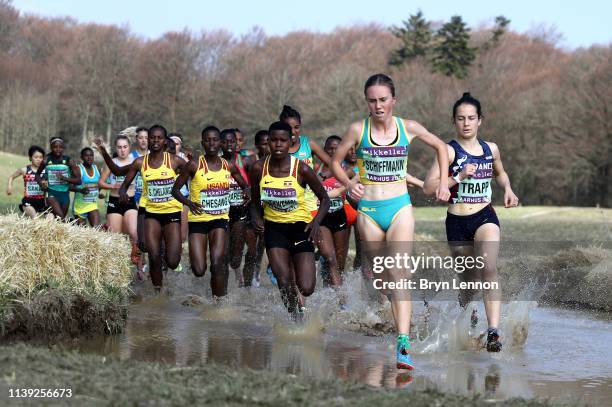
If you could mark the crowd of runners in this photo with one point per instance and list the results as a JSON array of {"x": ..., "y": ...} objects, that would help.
[{"x": 290, "y": 196}]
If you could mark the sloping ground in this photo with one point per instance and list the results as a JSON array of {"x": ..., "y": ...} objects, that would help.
[
  {"x": 59, "y": 278},
  {"x": 95, "y": 380}
]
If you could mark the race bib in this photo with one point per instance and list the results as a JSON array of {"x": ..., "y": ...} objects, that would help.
[
  {"x": 280, "y": 200},
  {"x": 160, "y": 190},
  {"x": 215, "y": 201}
]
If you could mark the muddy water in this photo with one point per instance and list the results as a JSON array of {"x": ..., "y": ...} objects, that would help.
[{"x": 549, "y": 353}]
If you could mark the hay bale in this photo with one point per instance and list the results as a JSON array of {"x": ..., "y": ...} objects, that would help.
[{"x": 45, "y": 258}]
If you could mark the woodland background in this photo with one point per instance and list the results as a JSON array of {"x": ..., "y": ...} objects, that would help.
[{"x": 548, "y": 108}]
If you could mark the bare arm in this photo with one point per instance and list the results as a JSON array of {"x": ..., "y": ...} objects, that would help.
[
  {"x": 16, "y": 174},
  {"x": 413, "y": 181},
  {"x": 420, "y": 132},
  {"x": 104, "y": 176},
  {"x": 76, "y": 174},
  {"x": 112, "y": 166},
  {"x": 319, "y": 152},
  {"x": 350, "y": 139},
  {"x": 432, "y": 180},
  {"x": 309, "y": 177},
  {"x": 502, "y": 178},
  {"x": 133, "y": 169},
  {"x": 189, "y": 172},
  {"x": 255, "y": 206}
]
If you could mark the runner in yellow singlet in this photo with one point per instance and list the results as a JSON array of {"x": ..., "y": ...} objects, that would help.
[
  {"x": 278, "y": 202},
  {"x": 158, "y": 169},
  {"x": 209, "y": 206}
]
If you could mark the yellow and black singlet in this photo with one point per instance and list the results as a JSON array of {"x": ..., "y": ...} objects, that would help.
[
  {"x": 283, "y": 198},
  {"x": 211, "y": 189},
  {"x": 157, "y": 186}
]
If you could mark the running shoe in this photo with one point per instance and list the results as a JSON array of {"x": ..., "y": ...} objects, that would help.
[
  {"x": 255, "y": 282},
  {"x": 493, "y": 340},
  {"x": 271, "y": 275},
  {"x": 179, "y": 268},
  {"x": 404, "y": 361}
]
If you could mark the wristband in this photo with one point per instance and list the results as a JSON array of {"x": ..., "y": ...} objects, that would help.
[{"x": 457, "y": 179}]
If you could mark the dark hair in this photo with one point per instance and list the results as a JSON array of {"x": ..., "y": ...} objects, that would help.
[
  {"x": 259, "y": 135},
  {"x": 34, "y": 149},
  {"x": 83, "y": 151},
  {"x": 176, "y": 135},
  {"x": 470, "y": 100},
  {"x": 380, "y": 79},
  {"x": 279, "y": 126},
  {"x": 210, "y": 128},
  {"x": 226, "y": 132},
  {"x": 288, "y": 113},
  {"x": 237, "y": 130},
  {"x": 170, "y": 145},
  {"x": 139, "y": 129},
  {"x": 122, "y": 137},
  {"x": 158, "y": 127},
  {"x": 333, "y": 137}
]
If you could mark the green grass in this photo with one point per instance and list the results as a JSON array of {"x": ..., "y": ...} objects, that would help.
[
  {"x": 9, "y": 163},
  {"x": 96, "y": 380}
]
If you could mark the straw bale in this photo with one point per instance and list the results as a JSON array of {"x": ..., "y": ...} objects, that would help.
[{"x": 41, "y": 254}]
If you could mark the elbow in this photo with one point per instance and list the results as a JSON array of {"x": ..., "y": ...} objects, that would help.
[{"x": 429, "y": 188}]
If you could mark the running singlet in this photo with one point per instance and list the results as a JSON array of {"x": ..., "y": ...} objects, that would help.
[
  {"x": 31, "y": 188},
  {"x": 118, "y": 179},
  {"x": 210, "y": 189},
  {"x": 56, "y": 167},
  {"x": 84, "y": 203},
  {"x": 236, "y": 196},
  {"x": 382, "y": 164},
  {"x": 138, "y": 179},
  {"x": 283, "y": 198},
  {"x": 329, "y": 184},
  {"x": 304, "y": 153},
  {"x": 157, "y": 186},
  {"x": 476, "y": 189}
]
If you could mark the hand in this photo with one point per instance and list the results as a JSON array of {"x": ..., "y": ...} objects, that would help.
[
  {"x": 84, "y": 190},
  {"x": 315, "y": 231},
  {"x": 356, "y": 189},
  {"x": 99, "y": 144},
  {"x": 195, "y": 208},
  {"x": 442, "y": 193},
  {"x": 188, "y": 153},
  {"x": 258, "y": 225},
  {"x": 246, "y": 195},
  {"x": 9, "y": 190},
  {"x": 123, "y": 196},
  {"x": 63, "y": 178},
  {"x": 44, "y": 184},
  {"x": 101, "y": 195},
  {"x": 510, "y": 199},
  {"x": 468, "y": 171}
]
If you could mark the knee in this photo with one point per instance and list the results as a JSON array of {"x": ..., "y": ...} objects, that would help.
[
  {"x": 198, "y": 270},
  {"x": 216, "y": 266},
  {"x": 307, "y": 290}
]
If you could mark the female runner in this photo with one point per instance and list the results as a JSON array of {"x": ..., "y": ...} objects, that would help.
[{"x": 385, "y": 210}]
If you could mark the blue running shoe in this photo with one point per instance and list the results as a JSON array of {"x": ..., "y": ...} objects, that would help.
[
  {"x": 493, "y": 340},
  {"x": 404, "y": 361},
  {"x": 271, "y": 275}
]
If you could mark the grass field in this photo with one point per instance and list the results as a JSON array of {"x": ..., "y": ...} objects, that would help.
[
  {"x": 123, "y": 383},
  {"x": 8, "y": 164}
]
